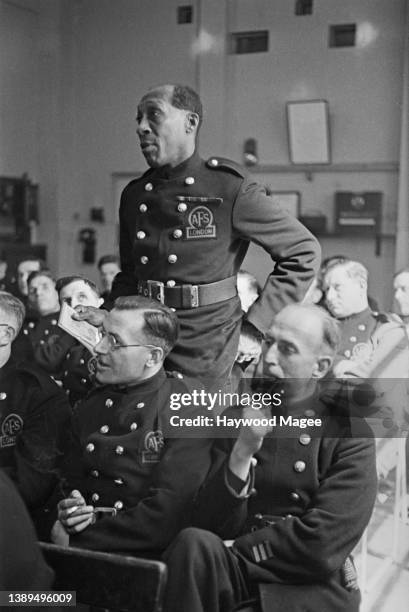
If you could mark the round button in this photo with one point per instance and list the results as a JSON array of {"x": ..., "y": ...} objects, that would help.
[
  {"x": 140, "y": 235},
  {"x": 31, "y": 325},
  {"x": 46, "y": 332},
  {"x": 118, "y": 481},
  {"x": 143, "y": 208},
  {"x": 144, "y": 259},
  {"x": 82, "y": 361},
  {"x": 288, "y": 516},
  {"x": 347, "y": 353},
  {"x": 104, "y": 429},
  {"x": 362, "y": 327},
  {"x": 213, "y": 162},
  {"x": 42, "y": 341},
  {"x": 148, "y": 187},
  {"x": 66, "y": 373},
  {"x": 352, "y": 339},
  {"x": 25, "y": 332},
  {"x": 118, "y": 505},
  {"x": 173, "y": 309},
  {"x": 68, "y": 355},
  {"x": 90, "y": 448},
  {"x": 140, "y": 405},
  {"x": 189, "y": 180},
  {"x": 67, "y": 392},
  {"x": 309, "y": 412},
  {"x": 133, "y": 426},
  {"x": 299, "y": 466},
  {"x": 177, "y": 233},
  {"x": 305, "y": 439},
  {"x": 294, "y": 496},
  {"x": 170, "y": 283},
  {"x": 3, "y": 395},
  {"x": 83, "y": 381},
  {"x": 253, "y": 461},
  {"x": 182, "y": 207},
  {"x": 119, "y": 450},
  {"x": 95, "y": 497},
  {"x": 54, "y": 322},
  {"x": 109, "y": 403},
  {"x": 95, "y": 473},
  {"x": 172, "y": 258}
]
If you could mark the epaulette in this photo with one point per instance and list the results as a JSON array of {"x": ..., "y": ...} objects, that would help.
[
  {"x": 384, "y": 317},
  {"x": 174, "y": 374},
  {"x": 221, "y": 163}
]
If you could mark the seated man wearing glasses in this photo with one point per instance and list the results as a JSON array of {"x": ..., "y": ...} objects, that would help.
[{"x": 129, "y": 485}]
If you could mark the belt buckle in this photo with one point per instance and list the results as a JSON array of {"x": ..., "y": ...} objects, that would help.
[
  {"x": 194, "y": 296},
  {"x": 156, "y": 290}
]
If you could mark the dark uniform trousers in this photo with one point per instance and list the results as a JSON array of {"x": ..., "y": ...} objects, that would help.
[
  {"x": 294, "y": 529},
  {"x": 191, "y": 225},
  {"x": 34, "y": 414},
  {"x": 124, "y": 456}
]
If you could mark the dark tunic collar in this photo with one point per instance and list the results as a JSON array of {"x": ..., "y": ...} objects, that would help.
[
  {"x": 183, "y": 169},
  {"x": 145, "y": 386}
]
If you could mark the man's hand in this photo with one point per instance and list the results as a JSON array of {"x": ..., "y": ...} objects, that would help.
[
  {"x": 59, "y": 535},
  {"x": 73, "y": 514},
  {"x": 91, "y": 314},
  {"x": 249, "y": 349},
  {"x": 249, "y": 442}
]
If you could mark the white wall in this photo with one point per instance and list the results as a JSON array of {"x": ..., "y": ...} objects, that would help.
[{"x": 94, "y": 58}]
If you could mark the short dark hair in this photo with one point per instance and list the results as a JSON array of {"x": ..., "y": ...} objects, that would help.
[
  {"x": 107, "y": 259},
  {"x": 185, "y": 98},
  {"x": 67, "y": 280},
  {"x": 161, "y": 324},
  {"x": 36, "y": 273},
  {"x": 13, "y": 307}
]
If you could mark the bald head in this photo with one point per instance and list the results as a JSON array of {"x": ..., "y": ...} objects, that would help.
[{"x": 168, "y": 119}]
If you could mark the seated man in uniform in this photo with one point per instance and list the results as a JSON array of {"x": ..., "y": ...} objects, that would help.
[
  {"x": 289, "y": 504},
  {"x": 108, "y": 267},
  {"x": 34, "y": 413},
  {"x": 129, "y": 483},
  {"x": 62, "y": 355}
]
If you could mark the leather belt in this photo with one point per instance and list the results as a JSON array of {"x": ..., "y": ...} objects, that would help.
[{"x": 189, "y": 296}]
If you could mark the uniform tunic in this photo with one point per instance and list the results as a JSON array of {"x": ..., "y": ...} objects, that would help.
[
  {"x": 36, "y": 331},
  {"x": 34, "y": 414},
  {"x": 123, "y": 458},
  {"x": 192, "y": 225},
  {"x": 294, "y": 529}
]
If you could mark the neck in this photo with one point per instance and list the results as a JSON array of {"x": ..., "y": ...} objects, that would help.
[{"x": 183, "y": 155}]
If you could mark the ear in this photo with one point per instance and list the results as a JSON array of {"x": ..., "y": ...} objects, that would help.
[
  {"x": 322, "y": 366},
  {"x": 156, "y": 356},
  {"x": 192, "y": 121},
  {"x": 7, "y": 335}
]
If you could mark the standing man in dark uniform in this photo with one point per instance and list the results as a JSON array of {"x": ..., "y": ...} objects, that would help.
[
  {"x": 288, "y": 503},
  {"x": 185, "y": 227},
  {"x": 130, "y": 483}
]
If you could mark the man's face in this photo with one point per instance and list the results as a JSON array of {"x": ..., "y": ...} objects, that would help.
[
  {"x": 43, "y": 296},
  {"x": 79, "y": 293},
  {"x": 23, "y": 271},
  {"x": 126, "y": 365},
  {"x": 401, "y": 289},
  {"x": 343, "y": 294},
  {"x": 108, "y": 272},
  {"x": 293, "y": 345},
  {"x": 162, "y": 129}
]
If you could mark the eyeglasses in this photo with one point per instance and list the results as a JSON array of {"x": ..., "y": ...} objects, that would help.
[{"x": 115, "y": 345}]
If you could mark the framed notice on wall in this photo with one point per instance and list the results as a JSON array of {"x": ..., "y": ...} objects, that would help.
[
  {"x": 287, "y": 200},
  {"x": 308, "y": 132}
]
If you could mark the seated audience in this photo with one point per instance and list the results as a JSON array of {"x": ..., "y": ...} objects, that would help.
[
  {"x": 401, "y": 295},
  {"x": 25, "y": 267},
  {"x": 108, "y": 266},
  {"x": 41, "y": 322},
  {"x": 372, "y": 343},
  {"x": 62, "y": 355},
  {"x": 22, "y": 567},
  {"x": 283, "y": 509},
  {"x": 129, "y": 484},
  {"x": 33, "y": 415}
]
